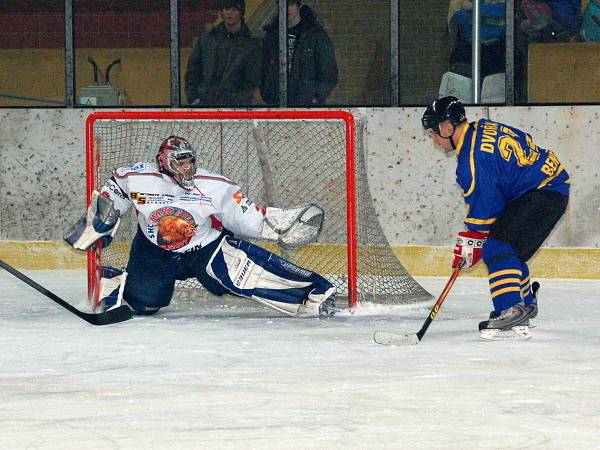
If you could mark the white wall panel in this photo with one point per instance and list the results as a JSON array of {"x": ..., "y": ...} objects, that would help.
[{"x": 42, "y": 183}]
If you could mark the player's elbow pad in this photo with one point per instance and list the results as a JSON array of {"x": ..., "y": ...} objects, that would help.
[
  {"x": 100, "y": 222},
  {"x": 293, "y": 227}
]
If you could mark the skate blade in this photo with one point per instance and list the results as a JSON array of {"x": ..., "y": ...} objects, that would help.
[
  {"x": 516, "y": 333},
  {"x": 532, "y": 323},
  {"x": 385, "y": 338}
]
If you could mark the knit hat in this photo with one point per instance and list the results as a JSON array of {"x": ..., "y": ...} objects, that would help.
[{"x": 240, "y": 5}]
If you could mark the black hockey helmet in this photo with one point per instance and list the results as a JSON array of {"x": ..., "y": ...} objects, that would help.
[
  {"x": 446, "y": 108},
  {"x": 172, "y": 152}
]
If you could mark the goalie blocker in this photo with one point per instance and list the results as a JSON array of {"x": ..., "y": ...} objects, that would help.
[{"x": 99, "y": 223}]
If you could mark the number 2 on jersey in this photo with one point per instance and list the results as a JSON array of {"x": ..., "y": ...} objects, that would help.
[{"x": 509, "y": 146}]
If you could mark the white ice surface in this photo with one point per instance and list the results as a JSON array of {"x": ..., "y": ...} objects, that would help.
[{"x": 198, "y": 376}]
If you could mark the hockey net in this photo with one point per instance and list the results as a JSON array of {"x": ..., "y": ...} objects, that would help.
[{"x": 279, "y": 158}]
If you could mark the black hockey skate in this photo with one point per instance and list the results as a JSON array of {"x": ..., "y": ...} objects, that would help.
[{"x": 511, "y": 323}]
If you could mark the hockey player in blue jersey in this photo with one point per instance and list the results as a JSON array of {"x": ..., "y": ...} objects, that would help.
[{"x": 515, "y": 193}]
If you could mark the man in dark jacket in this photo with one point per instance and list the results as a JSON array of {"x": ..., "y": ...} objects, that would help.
[
  {"x": 224, "y": 68},
  {"x": 312, "y": 68}
]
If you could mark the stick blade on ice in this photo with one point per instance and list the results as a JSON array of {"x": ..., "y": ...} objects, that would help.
[{"x": 385, "y": 338}]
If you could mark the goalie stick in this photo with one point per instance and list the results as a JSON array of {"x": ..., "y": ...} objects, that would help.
[
  {"x": 386, "y": 338},
  {"x": 119, "y": 314}
]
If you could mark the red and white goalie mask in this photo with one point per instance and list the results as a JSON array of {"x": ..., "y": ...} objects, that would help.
[{"x": 177, "y": 159}]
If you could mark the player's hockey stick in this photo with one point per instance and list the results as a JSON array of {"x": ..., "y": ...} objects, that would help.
[
  {"x": 119, "y": 314},
  {"x": 386, "y": 338}
]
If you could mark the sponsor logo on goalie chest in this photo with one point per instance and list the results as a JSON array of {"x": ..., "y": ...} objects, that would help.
[{"x": 172, "y": 227}]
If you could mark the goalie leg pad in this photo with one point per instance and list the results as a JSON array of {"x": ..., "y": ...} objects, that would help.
[
  {"x": 99, "y": 222},
  {"x": 112, "y": 284},
  {"x": 253, "y": 272}
]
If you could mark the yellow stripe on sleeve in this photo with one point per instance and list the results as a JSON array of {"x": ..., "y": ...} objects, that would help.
[
  {"x": 481, "y": 221},
  {"x": 472, "y": 164}
]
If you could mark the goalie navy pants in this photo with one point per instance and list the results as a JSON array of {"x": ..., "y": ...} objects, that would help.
[{"x": 152, "y": 273}]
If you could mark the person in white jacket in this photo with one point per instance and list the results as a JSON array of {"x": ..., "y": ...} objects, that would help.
[{"x": 191, "y": 224}]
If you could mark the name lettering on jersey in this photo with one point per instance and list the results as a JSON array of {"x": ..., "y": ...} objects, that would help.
[
  {"x": 242, "y": 200},
  {"x": 551, "y": 164},
  {"x": 496, "y": 136},
  {"x": 488, "y": 137}
]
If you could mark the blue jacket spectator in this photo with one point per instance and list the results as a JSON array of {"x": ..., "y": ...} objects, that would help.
[
  {"x": 567, "y": 13},
  {"x": 492, "y": 33},
  {"x": 493, "y": 17}
]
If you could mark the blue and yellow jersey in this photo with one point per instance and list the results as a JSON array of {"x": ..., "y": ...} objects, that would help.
[{"x": 497, "y": 164}]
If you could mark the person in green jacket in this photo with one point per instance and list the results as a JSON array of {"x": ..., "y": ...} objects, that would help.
[{"x": 225, "y": 66}]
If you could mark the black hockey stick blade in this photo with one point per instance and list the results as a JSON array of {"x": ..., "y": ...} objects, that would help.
[{"x": 119, "y": 314}]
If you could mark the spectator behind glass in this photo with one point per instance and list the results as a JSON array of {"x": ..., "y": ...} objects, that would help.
[
  {"x": 550, "y": 20},
  {"x": 312, "y": 68},
  {"x": 224, "y": 68},
  {"x": 492, "y": 34},
  {"x": 590, "y": 30}
]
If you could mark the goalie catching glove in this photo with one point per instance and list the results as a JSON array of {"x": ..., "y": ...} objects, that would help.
[
  {"x": 293, "y": 227},
  {"x": 469, "y": 246},
  {"x": 100, "y": 222}
]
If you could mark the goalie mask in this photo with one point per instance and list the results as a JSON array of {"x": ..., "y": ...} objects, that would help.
[{"x": 177, "y": 158}]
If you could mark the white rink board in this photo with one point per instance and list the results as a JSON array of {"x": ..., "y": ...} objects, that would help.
[{"x": 199, "y": 376}]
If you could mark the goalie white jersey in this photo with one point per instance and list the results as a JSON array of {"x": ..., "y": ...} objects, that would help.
[{"x": 178, "y": 220}]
